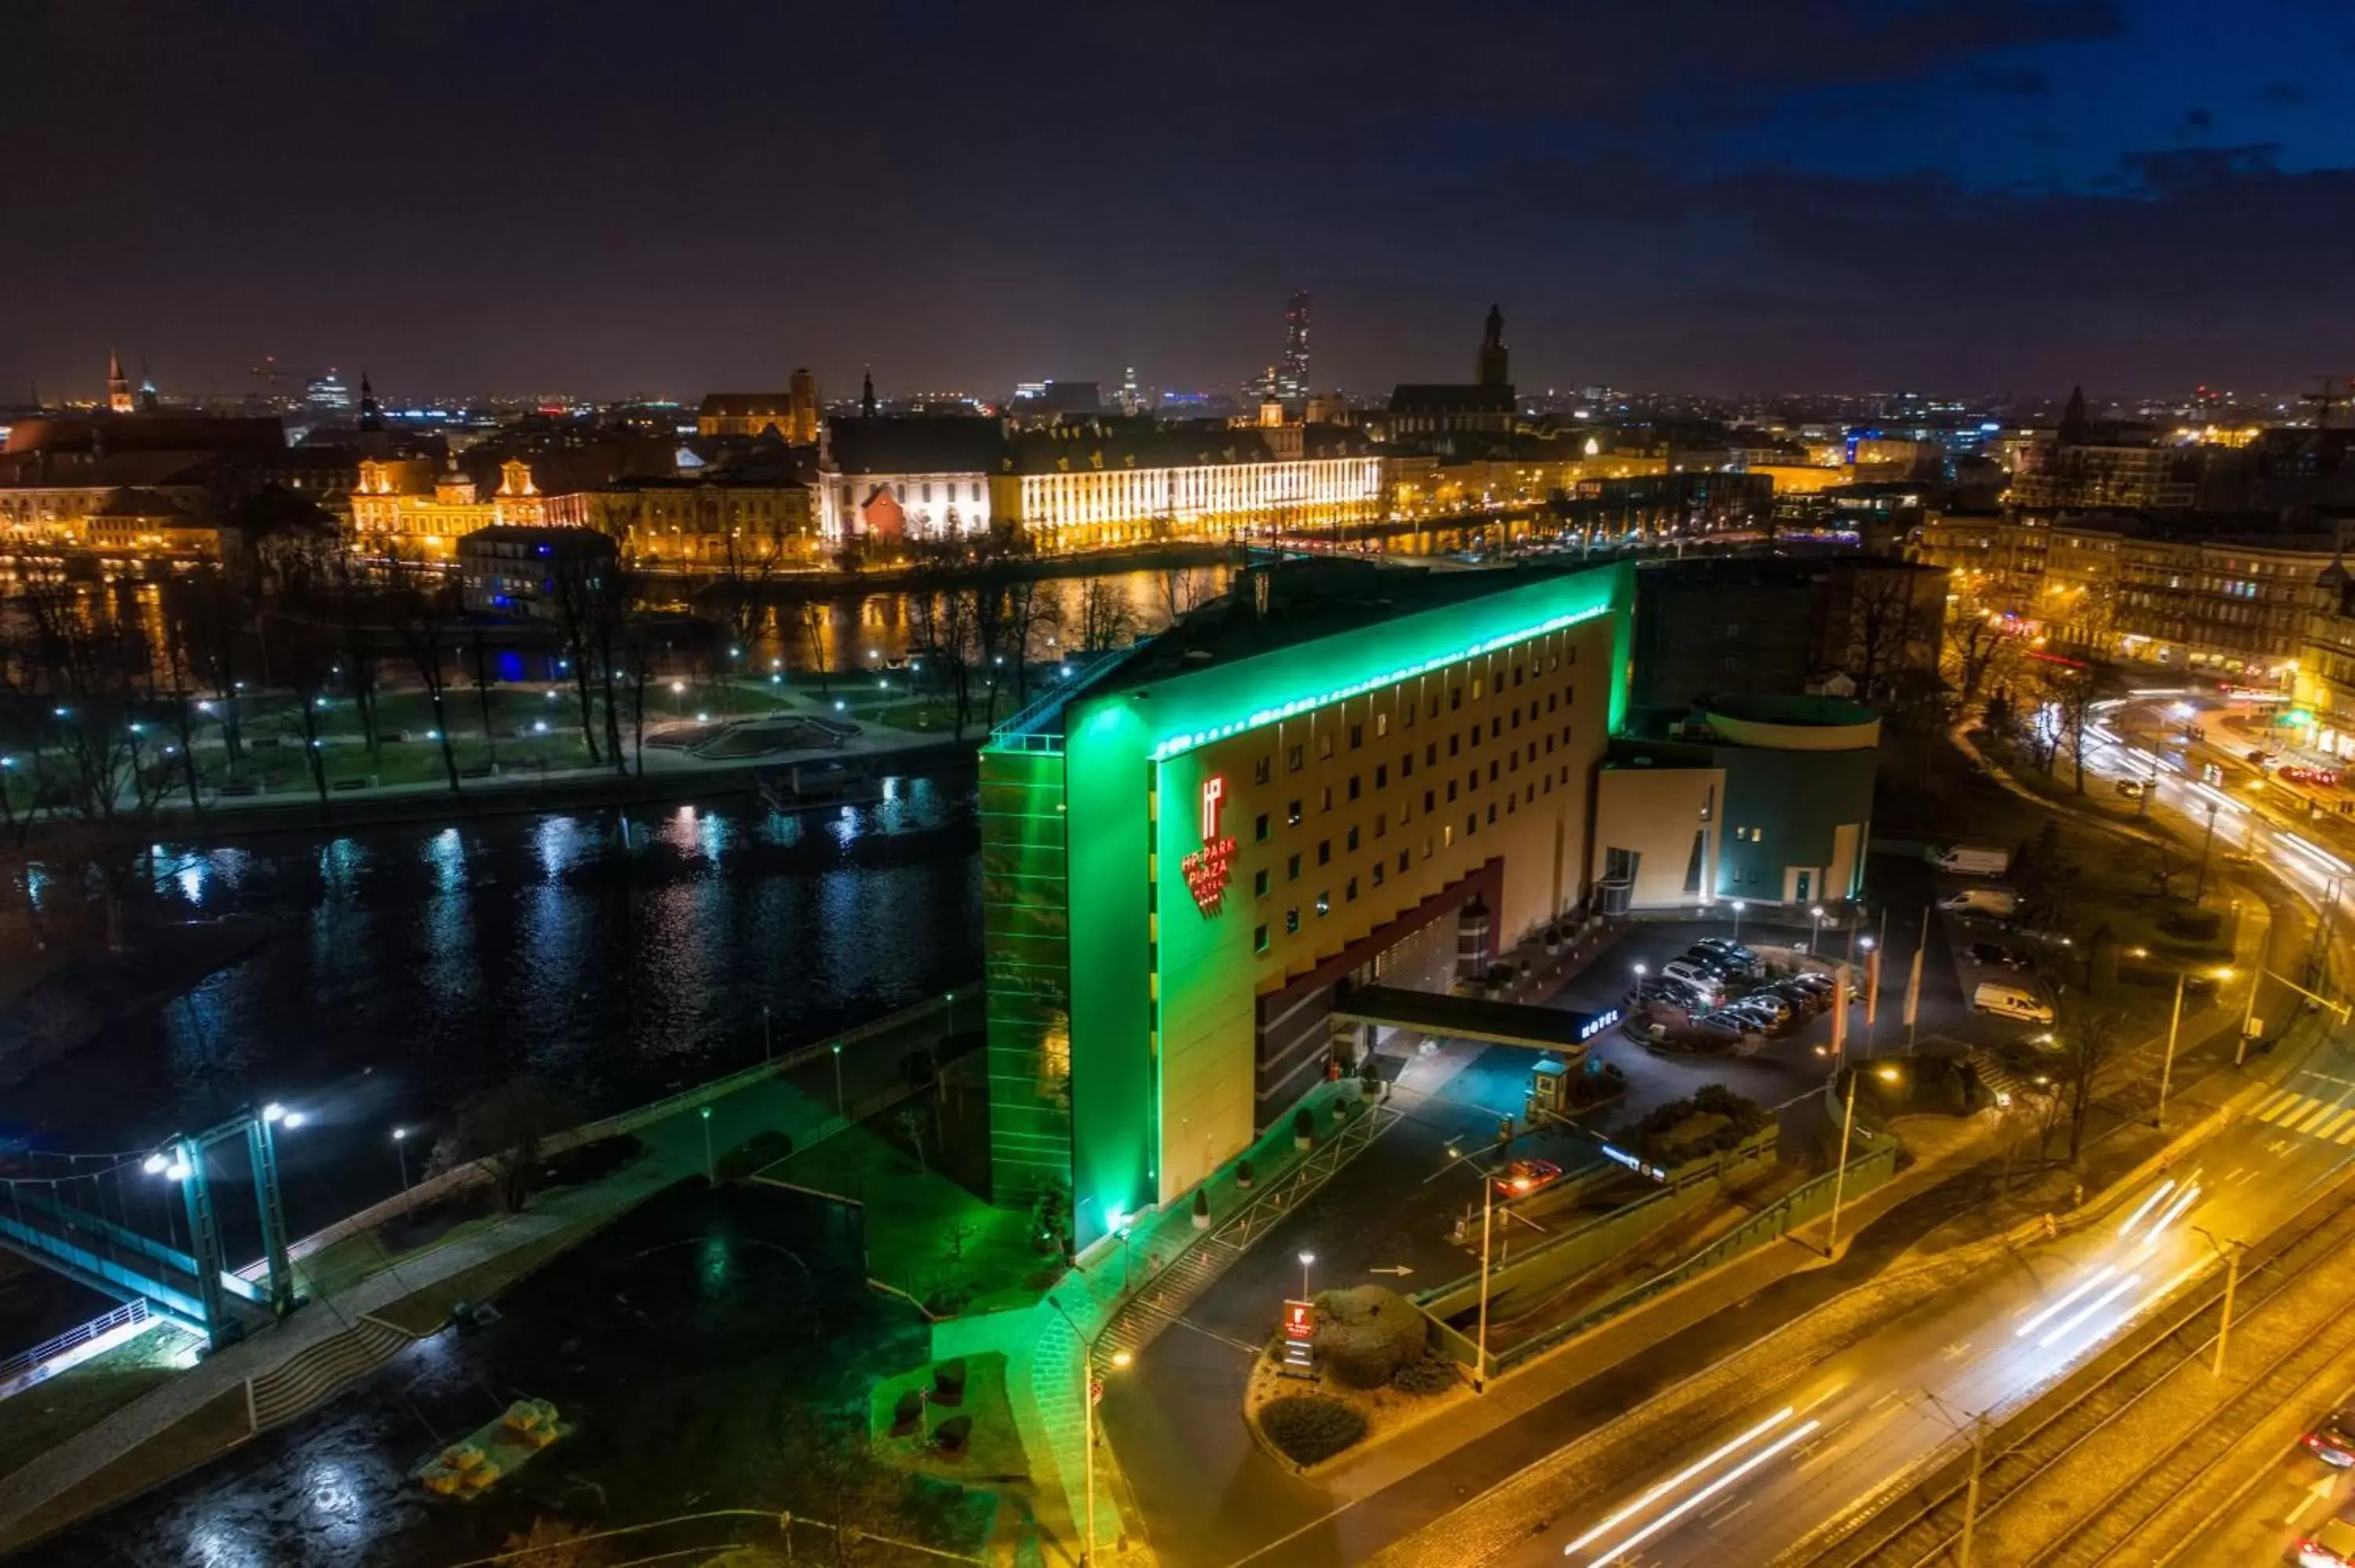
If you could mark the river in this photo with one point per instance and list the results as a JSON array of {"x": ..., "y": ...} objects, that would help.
[{"x": 415, "y": 965}]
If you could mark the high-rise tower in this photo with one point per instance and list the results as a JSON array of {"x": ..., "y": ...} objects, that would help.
[
  {"x": 1291, "y": 370},
  {"x": 1493, "y": 366}
]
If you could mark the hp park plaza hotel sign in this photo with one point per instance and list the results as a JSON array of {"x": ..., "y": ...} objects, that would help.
[{"x": 1208, "y": 869}]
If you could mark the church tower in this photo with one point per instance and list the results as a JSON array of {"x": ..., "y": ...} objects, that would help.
[
  {"x": 1492, "y": 363},
  {"x": 118, "y": 400},
  {"x": 867, "y": 395}
]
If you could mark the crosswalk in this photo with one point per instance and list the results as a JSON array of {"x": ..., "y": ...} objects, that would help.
[{"x": 2332, "y": 1121}]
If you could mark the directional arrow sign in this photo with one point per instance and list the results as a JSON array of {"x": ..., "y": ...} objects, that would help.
[{"x": 1399, "y": 1268}]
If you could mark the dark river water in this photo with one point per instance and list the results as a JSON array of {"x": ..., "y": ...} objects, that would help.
[{"x": 415, "y": 965}]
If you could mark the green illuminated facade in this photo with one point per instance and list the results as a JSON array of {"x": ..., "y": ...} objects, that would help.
[{"x": 1141, "y": 893}]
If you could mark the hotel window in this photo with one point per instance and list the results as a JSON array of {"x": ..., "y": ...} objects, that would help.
[
  {"x": 1352, "y": 840},
  {"x": 1517, "y": 674},
  {"x": 1406, "y": 766},
  {"x": 1451, "y": 792},
  {"x": 1353, "y": 786},
  {"x": 1496, "y": 729},
  {"x": 1258, "y": 829},
  {"x": 1349, "y": 893},
  {"x": 1292, "y": 815},
  {"x": 1324, "y": 798},
  {"x": 1455, "y": 745},
  {"x": 1455, "y": 697},
  {"x": 1402, "y": 855},
  {"x": 1356, "y": 735},
  {"x": 1446, "y": 837},
  {"x": 1262, "y": 769},
  {"x": 1324, "y": 745},
  {"x": 1492, "y": 812},
  {"x": 1259, "y": 938},
  {"x": 1492, "y": 774},
  {"x": 1381, "y": 823},
  {"x": 1430, "y": 752},
  {"x": 1475, "y": 688},
  {"x": 1292, "y": 760},
  {"x": 1291, "y": 922},
  {"x": 1471, "y": 823},
  {"x": 1324, "y": 851},
  {"x": 1383, "y": 723},
  {"x": 1378, "y": 873},
  {"x": 1325, "y": 903},
  {"x": 1259, "y": 882},
  {"x": 1382, "y": 778},
  {"x": 1291, "y": 869}
]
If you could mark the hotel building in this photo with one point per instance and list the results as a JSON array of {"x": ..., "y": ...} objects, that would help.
[{"x": 1339, "y": 773}]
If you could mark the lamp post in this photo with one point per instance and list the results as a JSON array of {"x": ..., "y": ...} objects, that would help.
[
  {"x": 710, "y": 1176},
  {"x": 840, "y": 1107},
  {"x": 401, "y": 1152},
  {"x": 1088, "y": 1420},
  {"x": 766, "y": 1052},
  {"x": 1839, "y": 1174},
  {"x": 1738, "y": 907},
  {"x": 2207, "y": 843},
  {"x": 2174, "y": 1024},
  {"x": 1816, "y": 939},
  {"x": 1305, "y": 1259},
  {"x": 1487, "y": 1217},
  {"x": 2230, "y": 1250}
]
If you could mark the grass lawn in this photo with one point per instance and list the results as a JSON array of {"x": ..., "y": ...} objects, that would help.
[
  {"x": 925, "y": 1234},
  {"x": 46, "y": 1415},
  {"x": 209, "y": 1429},
  {"x": 995, "y": 1453}
]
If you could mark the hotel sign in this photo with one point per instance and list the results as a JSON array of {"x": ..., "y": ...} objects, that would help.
[{"x": 1207, "y": 870}]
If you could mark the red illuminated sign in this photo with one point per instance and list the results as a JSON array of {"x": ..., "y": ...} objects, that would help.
[
  {"x": 1299, "y": 1320},
  {"x": 1208, "y": 869}
]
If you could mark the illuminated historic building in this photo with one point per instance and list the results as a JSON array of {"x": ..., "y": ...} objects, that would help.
[
  {"x": 1085, "y": 486},
  {"x": 1338, "y": 773},
  {"x": 404, "y": 508}
]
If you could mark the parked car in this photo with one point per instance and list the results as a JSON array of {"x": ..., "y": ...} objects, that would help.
[
  {"x": 2133, "y": 788},
  {"x": 1730, "y": 948},
  {"x": 1820, "y": 985},
  {"x": 1693, "y": 974},
  {"x": 1523, "y": 1177},
  {"x": 1993, "y": 902},
  {"x": 1708, "y": 963},
  {"x": 1754, "y": 1016},
  {"x": 1807, "y": 999},
  {"x": 1996, "y": 953},
  {"x": 1777, "y": 1008}
]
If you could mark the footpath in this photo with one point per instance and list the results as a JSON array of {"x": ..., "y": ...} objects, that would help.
[{"x": 361, "y": 1319}]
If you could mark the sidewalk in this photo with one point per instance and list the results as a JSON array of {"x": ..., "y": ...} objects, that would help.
[{"x": 31, "y": 1489}]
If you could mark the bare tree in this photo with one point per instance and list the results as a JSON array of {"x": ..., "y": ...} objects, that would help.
[
  {"x": 1106, "y": 618},
  {"x": 424, "y": 615},
  {"x": 1975, "y": 646},
  {"x": 1182, "y": 589},
  {"x": 2090, "y": 1038},
  {"x": 2069, "y": 689}
]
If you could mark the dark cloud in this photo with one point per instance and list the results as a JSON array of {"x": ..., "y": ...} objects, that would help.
[
  {"x": 607, "y": 197},
  {"x": 2199, "y": 121},
  {"x": 2286, "y": 93}
]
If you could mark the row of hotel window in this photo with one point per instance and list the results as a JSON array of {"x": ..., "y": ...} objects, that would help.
[
  {"x": 1294, "y": 811},
  {"x": 1295, "y": 755},
  {"x": 1324, "y": 903}
]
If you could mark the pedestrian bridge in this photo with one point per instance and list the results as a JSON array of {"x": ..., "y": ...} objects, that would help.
[{"x": 1474, "y": 1017}]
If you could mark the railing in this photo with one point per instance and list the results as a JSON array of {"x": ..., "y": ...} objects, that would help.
[
  {"x": 14, "y": 1367},
  {"x": 1003, "y": 735}
]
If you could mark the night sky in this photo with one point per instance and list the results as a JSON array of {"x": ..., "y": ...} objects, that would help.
[{"x": 661, "y": 199}]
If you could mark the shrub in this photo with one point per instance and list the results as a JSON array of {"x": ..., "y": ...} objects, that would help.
[
  {"x": 1303, "y": 1125},
  {"x": 1428, "y": 1374},
  {"x": 756, "y": 1152},
  {"x": 1306, "y": 1428},
  {"x": 953, "y": 1434},
  {"x": 948, "y": 1382},
  {"x": 1244, "y": 1172},
  {"x": 1365, "y": 1333},
  {"x": 907, "y": 1412},
  {"x": 1202, "y": 1202}
]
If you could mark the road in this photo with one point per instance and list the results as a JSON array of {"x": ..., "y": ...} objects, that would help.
[
  {"x": 1774, "y": 1472},
  {"x": 2291, "y": 1500}
]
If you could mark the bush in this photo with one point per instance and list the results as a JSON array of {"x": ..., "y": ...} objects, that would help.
[
  {"x": 1306, "y": 1428},
  {"x": 948, "y": 1382},
  {"x": 1303, "y": 1125},
  {"x": 907, "y": 1412},
  {"x": 953, "y": 1434},
  {"x": 756, "y": 1152},
  {"x": 1431, "y": 1374},
  {"x": 1202, "y": 1201},
  {"x": 1244, "y": 1174},
  {"x": 1365, "y": 1333}
]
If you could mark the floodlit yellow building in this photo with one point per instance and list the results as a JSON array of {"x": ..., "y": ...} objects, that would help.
[{"x": 402, "y": 507}]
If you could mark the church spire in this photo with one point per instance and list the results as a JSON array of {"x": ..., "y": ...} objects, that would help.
[
  {"x": 2075, "y": 427},
  {"x": 371, "y": 416},
  {"x": 867, "y": 394},
  {"x": 1493, "y": 361},
  {"x": 118, "y": 387}
]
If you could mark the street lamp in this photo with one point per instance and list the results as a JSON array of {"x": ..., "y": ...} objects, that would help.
[
  {"x": 2174, "y": 1024},
  {"x": 709, "y": 1174},
  {"x": 1305, "y": 1259},
  {"x": 1840, "y": 1175},
  {"x": 839, "y": 1109},
  {"x": 1088, "y": 1394},
  {"x": 1816, "y": 938},
  {"x": 401, "y": 1152},
  {"x": 1738, "y": 907},
  {"x": 1487, "y": 1229}
]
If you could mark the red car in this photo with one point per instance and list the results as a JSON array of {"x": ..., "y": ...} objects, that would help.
[
  {"x": 2304, "y": 775},
  {"x": 1523, "y": 1177}
]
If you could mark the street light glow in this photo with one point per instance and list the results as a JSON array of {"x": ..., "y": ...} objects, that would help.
[
  {"x": 293, "y": 1120},
  {"x": 154, "y": 1165},
  {"x": 273, "y": 1111}
]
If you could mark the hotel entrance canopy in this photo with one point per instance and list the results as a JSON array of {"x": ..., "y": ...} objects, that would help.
[{"x": 1474, "y": 1017}]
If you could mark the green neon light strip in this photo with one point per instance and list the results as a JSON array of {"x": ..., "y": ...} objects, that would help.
[{"x": 1186, "y": 742}]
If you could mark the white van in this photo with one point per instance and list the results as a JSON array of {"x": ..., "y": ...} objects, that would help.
[
  {"x": 2011, "y": 1002},
  {"x": 1997, "y": 901},
  {"x": 1972, "y": 860}
]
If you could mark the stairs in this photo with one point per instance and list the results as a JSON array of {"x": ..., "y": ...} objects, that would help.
[
  {"x": 2008, "y": 1086},
  {"x": 1162, "y": 1302},
  {"x": 319, "y": 1372}
]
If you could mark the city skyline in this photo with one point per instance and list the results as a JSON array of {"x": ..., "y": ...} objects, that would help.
[{"x": 2021, "y": 197}]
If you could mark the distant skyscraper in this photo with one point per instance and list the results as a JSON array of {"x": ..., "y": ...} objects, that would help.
[
  {"x": 1130, "y": 399},
  {"x": 118, "y": 387},
  {"x": 328, "y": 395},
  {"x": 1492, "y": 368},
  {"x": 1291, "y": 370}
]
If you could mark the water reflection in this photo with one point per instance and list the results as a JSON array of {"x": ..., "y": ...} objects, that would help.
[{"x": 412, "y": 966}]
